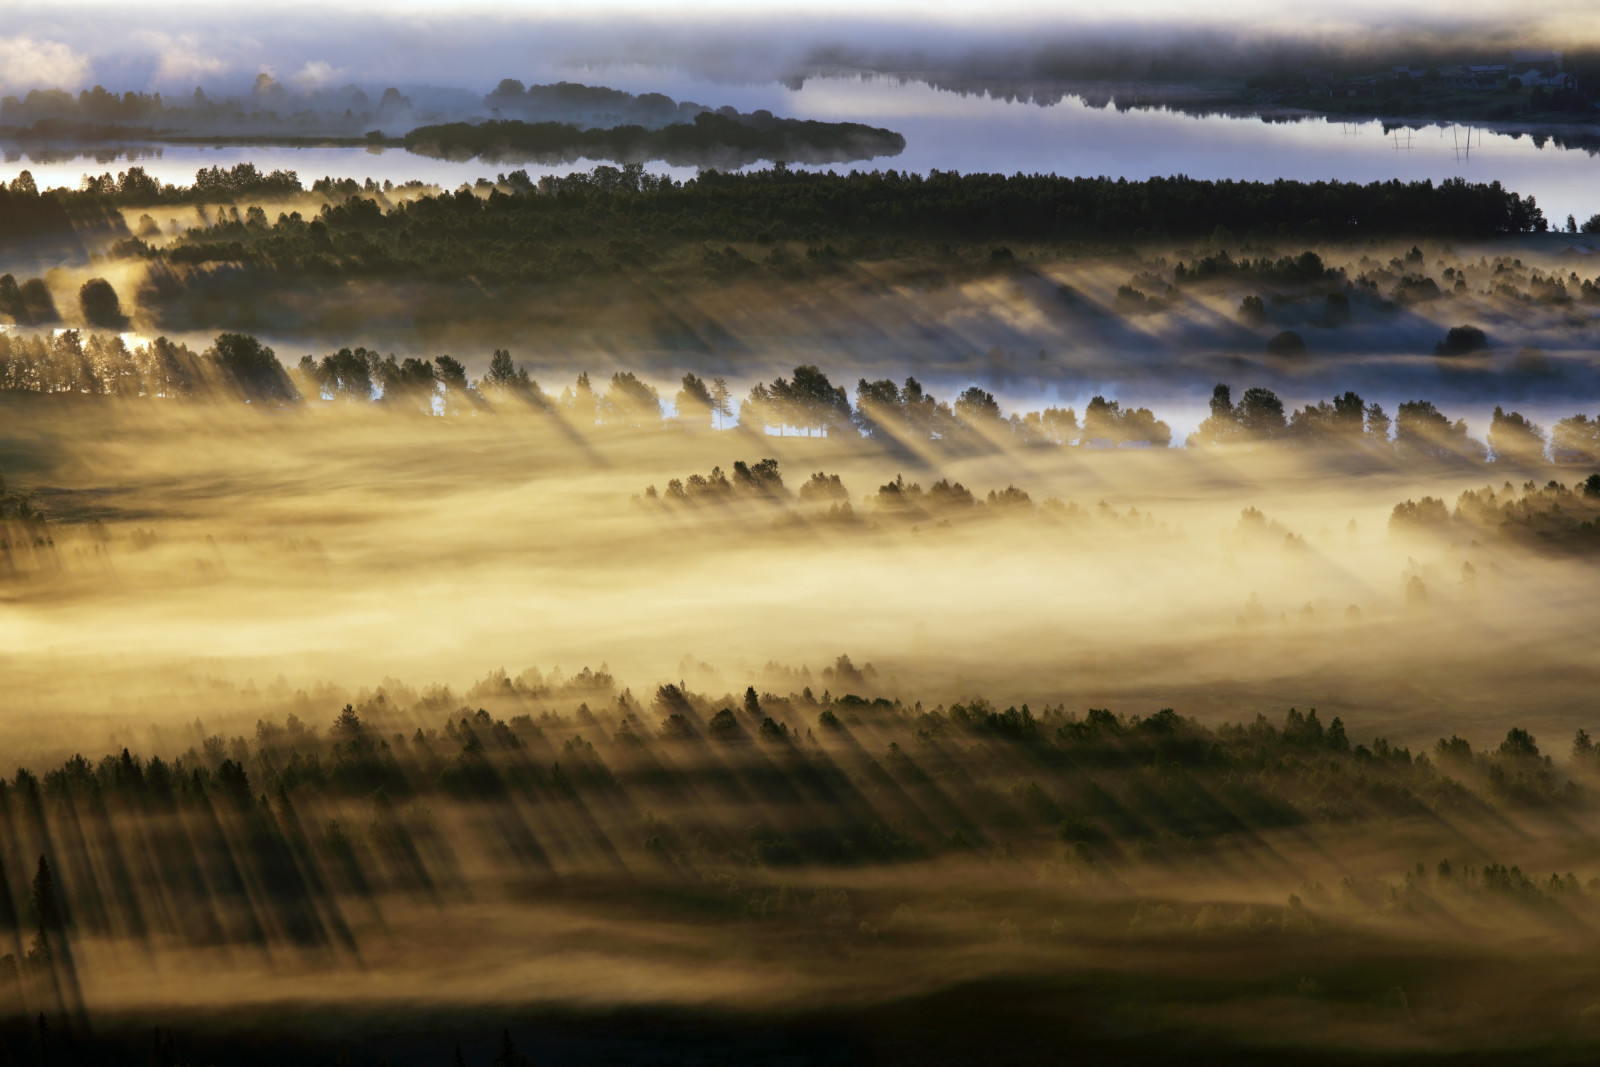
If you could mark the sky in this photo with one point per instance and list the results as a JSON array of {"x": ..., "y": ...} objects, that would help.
[{"x": 75, "y": 43}]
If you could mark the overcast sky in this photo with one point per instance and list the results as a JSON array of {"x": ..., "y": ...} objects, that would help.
[{"x": 73, "y": 44}]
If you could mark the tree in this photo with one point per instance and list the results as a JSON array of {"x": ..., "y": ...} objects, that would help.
[
  {"x": 879, "y": 408},
  {"x": 1260, "y": 413},
  {"x": 1335, "y": 737},
  {"x": 506, "y": 1055},
  {"x": 976, "y": 408},
  {"x": 46, "y": 910},
  {"x": 1222, "y": 425},
  {"x": 1342, "y": 419},
  {"x": 694, "y": 402},
  {"x": 759, "y": 412},
  {"x": 581, "y": 401},
  {"x": 507, "y": 378},
  {"x": 347, "y": 723},
  {"x": 1348, "y": 410},
  {"x": 1378, "y": 423},
  {"x": 37, "y": 299},
  {"x": 12, "y": 305},
  {"x": 453, "y": 376},
  {"x": 1583, "y": 749},
  {"x": 345, "y": 375},
  {"x": 1462, "y": 341},
  {"x": 409, "y": 383},
  {"x": 1519, "y": 744},
  {"x": 812, "y": 402},
  {"x": 1286, "y": 343},
  {"x": 100, "y": 304},
  {"x": 822, "y": 487},
  {"x": 1514, "y": 438},
  {"x": 720, "y": 399},
  {"x": 251, "y": 368},
  {"x": 1108, "y": 420},
  {"x": 1422, "y": 430},
  {"x": 1060, "y": 425},
  {"x": 1578, "y": 436},
  {"x": 630, "y": 401}
]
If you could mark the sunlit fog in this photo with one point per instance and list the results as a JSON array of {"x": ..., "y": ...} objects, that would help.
[{"x": 639, "y": 532}]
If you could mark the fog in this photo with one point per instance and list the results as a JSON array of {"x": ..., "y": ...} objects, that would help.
[
  {"x": 217, "y": 575},
  {"x": 569, "y": 615},
  {"x": 337, "y": 546}
]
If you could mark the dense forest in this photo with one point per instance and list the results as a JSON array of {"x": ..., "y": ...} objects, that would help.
[{"x": 628, "y": 204}]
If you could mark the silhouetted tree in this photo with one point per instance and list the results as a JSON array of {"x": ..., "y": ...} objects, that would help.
[
  {"x": 506, "y": 1054},
  {"x": 694, "y": 403},
  {"x": 1514, "y": 437},
  {"x": 100, "y": 304}
]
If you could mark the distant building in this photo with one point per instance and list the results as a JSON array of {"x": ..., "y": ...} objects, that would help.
[
  {"x": 1534, "y": 76},
  {"x": 1476, "y": 76},
  {"x": 1545, "y": 61},
  {"x": 1404, "y": 73}
]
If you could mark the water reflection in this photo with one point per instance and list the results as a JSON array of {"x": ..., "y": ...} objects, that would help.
[
  {"x": 1133, "y": 133},
  {"x": 54, "y": 155}
]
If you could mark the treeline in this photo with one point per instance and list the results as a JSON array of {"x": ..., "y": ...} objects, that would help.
[
  {"x": 1552, "y": 516},
  {"x": 235, "y": 366},
  {"x": 808, "y": 402},
  {"x": 623, "y": 214},
  {"x": 56, "y": 112},
  {"x": 240, "y": 366},
  {"x": 1418, "y": 429},
  {"x": 623, "y": 219},
  {"x": 711, "y": 139},
  {"x": 943, "y": 500},
  {"x": 27, "y": 211},
  {"x": 277, "y": 835}
]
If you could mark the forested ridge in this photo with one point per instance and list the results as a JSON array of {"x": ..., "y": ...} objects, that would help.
[
  {"x": 786, "y": 204},
  {"x": 363, "y": 803}
]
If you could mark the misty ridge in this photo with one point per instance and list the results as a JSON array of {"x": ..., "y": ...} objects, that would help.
[
  {"x": 718, "y": 265},
  {"x": 892, "y": 839}
]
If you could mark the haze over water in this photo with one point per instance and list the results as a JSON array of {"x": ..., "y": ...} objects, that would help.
[{"x": 972, "y": 134}]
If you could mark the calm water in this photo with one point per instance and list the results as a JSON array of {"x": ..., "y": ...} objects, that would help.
[{"x": 945, "y": 131}]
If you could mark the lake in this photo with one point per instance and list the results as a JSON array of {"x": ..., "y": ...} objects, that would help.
[{"x": 947, "y": 131}]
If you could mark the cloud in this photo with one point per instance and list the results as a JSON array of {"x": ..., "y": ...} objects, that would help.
[
  {"x": 26, "y": 63},
  {"x": 316, "y": 74},
  {"x": 181, "y": 59}
]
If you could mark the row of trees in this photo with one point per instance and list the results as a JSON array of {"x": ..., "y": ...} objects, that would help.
[
  {"x": 241, "y": 366},
  {"x": 1417, "y": 430}
]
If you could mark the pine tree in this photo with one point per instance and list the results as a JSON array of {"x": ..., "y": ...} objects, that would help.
[
  {"x": 507, "y": 1056},
  {"x": 47, "y": 914}
]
